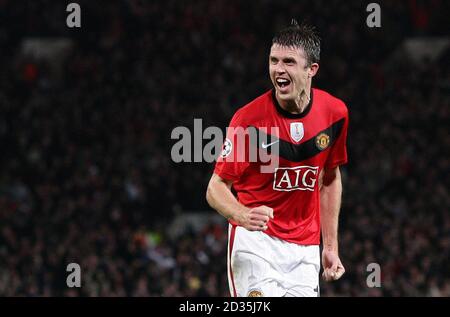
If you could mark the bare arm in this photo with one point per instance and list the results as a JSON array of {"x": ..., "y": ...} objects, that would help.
[
  {"x": 330, "y": 204},
  {"x": 220, "y": 198}
]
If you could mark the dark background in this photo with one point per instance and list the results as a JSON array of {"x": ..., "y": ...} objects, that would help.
[{"x": 85, "y": 168}]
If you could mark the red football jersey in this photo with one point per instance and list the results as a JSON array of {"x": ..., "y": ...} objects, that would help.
[{"x": 305, "y": 143}]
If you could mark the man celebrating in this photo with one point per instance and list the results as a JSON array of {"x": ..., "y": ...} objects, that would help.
[{"x": 277, "y": 218}]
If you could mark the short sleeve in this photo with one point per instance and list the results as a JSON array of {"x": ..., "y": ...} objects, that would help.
[
  {"x": 338, "y": 151},
  {"x": 233, "y": 159}
]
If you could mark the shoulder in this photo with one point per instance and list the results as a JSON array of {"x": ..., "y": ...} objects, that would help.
[
  {"x": 331, "y": 103},
  {"x": 253, "y": 111}
]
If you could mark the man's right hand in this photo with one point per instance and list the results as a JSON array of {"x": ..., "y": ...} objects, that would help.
[
  {"x": 255, "y": 219},
  {"x": 220, "y": 197}
]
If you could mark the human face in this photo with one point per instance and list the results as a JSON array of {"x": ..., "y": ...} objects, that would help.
[{"x": 289, "y": 72}]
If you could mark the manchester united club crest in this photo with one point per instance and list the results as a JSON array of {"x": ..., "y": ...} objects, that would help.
[
  {"x": 322, "y": 141},
  {"x": 297, "y": 131}
]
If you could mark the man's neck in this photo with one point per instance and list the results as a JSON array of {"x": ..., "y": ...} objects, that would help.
[{"x": 298, "y": 105}]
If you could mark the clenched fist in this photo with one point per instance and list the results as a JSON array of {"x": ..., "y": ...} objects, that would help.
[
  {"x": 255, "y": 219},
  {"x": 332, "y": 266}
]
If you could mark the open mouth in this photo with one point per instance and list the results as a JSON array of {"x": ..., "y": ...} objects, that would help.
[{"x": 283, "y": 83}]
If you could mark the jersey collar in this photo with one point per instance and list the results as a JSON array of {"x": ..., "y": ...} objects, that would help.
[{"x": 289, "y": 115}]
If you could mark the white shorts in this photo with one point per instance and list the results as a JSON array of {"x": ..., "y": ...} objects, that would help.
[{"x": 262, "y": 265}]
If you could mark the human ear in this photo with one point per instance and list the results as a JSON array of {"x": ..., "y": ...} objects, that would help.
[{"x": 313, "y": 69}]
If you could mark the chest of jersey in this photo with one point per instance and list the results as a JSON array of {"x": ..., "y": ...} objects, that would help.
[{"x": 292, "y": 152}]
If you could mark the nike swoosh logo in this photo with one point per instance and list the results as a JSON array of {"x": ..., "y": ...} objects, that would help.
[
  {"x": 303, "y": 151},
  {"x": 265, "y": 146}
]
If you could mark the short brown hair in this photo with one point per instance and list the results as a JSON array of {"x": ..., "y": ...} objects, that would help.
[{"x": 301, "y": 36}]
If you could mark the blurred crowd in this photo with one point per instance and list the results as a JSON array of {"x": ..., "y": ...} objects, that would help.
[{"x": 85, "y": 168}]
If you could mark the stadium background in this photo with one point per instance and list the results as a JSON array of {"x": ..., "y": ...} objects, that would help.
[{"x": 85, "y": 122}]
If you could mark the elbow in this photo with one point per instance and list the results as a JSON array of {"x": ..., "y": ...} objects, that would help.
[{"x": 209, "y": 195}]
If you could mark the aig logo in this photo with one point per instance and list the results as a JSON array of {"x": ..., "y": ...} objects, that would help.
[{"x": 295, "y": 178}]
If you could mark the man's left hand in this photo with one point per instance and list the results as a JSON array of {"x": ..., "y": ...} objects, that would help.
[{"x": 332, "y": 266}]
